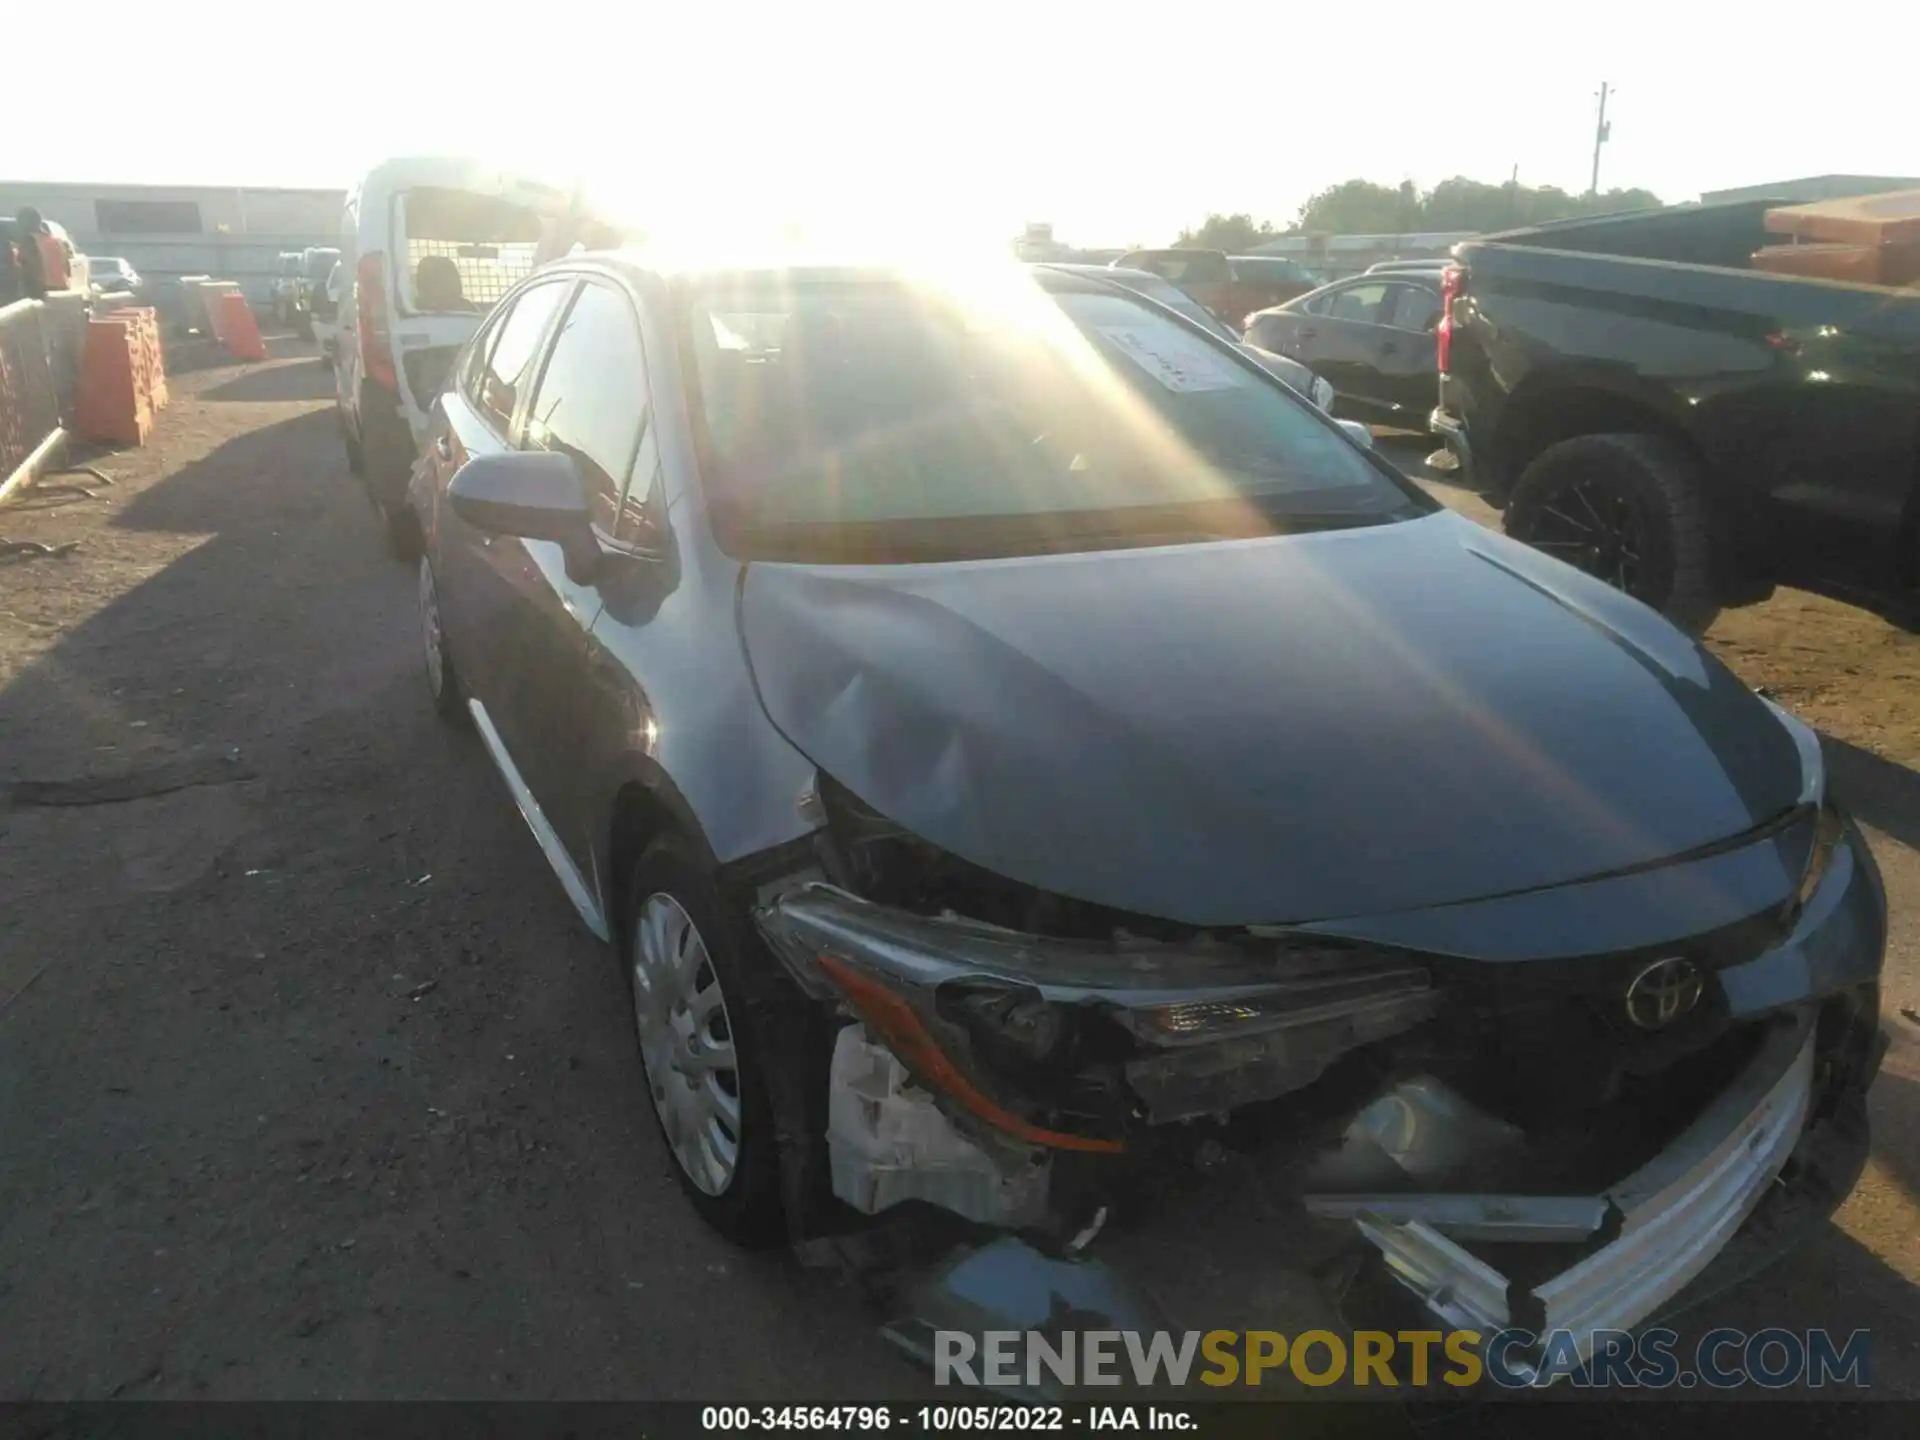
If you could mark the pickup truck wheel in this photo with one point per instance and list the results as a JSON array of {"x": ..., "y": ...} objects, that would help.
[
  {"x": 704, "y": 1069},
  {"x": 1630, "y": 510}
]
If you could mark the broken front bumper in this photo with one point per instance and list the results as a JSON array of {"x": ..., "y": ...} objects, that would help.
[
  {"x": 1782, "y": 1143},
  {"x": 1674, "y": 1215},
  {"x": 1777, "y": 1136}
]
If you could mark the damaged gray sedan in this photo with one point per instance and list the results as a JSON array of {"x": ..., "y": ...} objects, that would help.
[{"x": 1036, "y": 770}]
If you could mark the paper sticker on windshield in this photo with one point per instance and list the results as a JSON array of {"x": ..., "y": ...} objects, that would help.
[{"x": 1175, "y": 360}]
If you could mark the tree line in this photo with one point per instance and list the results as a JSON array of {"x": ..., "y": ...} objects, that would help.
[{"x": 1361, "y": 207}]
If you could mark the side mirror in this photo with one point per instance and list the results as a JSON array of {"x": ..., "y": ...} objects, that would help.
[
  {"x": 1357, "y": 432},
  {"x": 534, "y": 494}
]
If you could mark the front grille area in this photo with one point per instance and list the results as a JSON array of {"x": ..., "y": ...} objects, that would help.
[{"x": 1538, "y": 1041}]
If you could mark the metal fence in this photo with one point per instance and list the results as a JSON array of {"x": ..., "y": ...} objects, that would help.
[{"x": 30, "y": 400}]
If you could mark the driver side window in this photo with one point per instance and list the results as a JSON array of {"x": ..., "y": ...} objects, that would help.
[
  {"x": 508, "y": 367},
  {"x": 591, "y": 403}
]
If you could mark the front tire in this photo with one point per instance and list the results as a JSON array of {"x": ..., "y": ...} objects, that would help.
[
  {"x": 687, "y": 952},
  {"x": 1629, "y": 509}
]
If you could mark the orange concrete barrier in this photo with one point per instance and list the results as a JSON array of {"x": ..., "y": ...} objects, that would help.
[
  {"x": 210, "y": 292},
  {"x": 112, "y": 406},
  {"x": 156, "y": 360},
  {"x": 236, "y": 327},
  {"x": 149, "y": 358}
]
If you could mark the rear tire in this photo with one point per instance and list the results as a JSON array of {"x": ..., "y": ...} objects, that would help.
[
  {"x": 1629, "y": 509},
  {"x": 687, "y": 954},
  {"x": 443, "y": 681}
]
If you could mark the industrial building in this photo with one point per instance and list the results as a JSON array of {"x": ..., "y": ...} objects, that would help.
[
  {"x": 166, "y": 231},
  {"x": 1814, "y": 187}
]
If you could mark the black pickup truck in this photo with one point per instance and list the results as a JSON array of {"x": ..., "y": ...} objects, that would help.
[{"x": 1644, "y": 405}]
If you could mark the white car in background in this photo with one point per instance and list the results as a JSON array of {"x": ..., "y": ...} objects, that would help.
[
  {"x": 111, "y": 275},
  {"x": 326, "y": 314},
  {"x": 286, "y": 286}
]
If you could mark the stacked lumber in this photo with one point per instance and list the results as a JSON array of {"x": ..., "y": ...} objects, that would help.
[{"x": 1865, "y": 239}]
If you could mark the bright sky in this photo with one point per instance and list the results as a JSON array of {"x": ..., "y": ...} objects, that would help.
[{"x": 1118, "y": 124}]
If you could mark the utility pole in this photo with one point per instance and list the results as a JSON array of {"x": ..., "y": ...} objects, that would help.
[{"x": 1601, "y": 131}]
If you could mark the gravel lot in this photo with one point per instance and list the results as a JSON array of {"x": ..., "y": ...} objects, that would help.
[{"x": 312, "y": 1086}]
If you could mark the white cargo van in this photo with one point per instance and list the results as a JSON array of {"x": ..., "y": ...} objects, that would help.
[{"x": 427, "y": 246}]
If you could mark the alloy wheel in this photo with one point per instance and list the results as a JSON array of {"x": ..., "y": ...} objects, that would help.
[
  {"x": 1596, "y": 527},
  {"x": 430, "y": 633},
  {"x": 686, "y": 1043}
]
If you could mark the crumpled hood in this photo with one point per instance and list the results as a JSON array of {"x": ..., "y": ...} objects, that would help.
[{"x": 1268, "y": 731}]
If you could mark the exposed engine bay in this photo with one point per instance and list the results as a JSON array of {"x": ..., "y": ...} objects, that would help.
[{"x": 1036, "y": 1064}]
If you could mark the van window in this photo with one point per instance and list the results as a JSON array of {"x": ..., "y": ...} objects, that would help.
[{"x": 478, "y": 248}]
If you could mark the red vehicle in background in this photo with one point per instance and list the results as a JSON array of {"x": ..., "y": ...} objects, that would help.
[{"x": 1231, "y": 286}]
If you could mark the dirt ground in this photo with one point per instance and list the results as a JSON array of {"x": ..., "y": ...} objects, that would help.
[{"x": 311, "y": 1084}]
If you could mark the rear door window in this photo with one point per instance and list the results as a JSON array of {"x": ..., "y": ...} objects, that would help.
[
  {"x": 591, "y": 403},
  {"x": 1357, "y": 302},
  {"x": 1413, "y": 307},
  {"x": 508, "y": 368}
]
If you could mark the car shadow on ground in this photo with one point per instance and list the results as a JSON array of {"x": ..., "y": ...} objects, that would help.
[
  {"x": 187, "y": 354},
  {"x": 281, "y": 383},
  {"x": 315, "y": 1083},
  {"x": 1881, "y": 792}
]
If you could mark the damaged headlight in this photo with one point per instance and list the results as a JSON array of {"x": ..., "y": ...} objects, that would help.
[
  {"x": 1830, "y": 824},
  {"x": 1828, "y": 829},
  {"x": 1016, "y": 1021},
  {"x": 946, "y": 990},
  {"x": 1813, "y": 763}
]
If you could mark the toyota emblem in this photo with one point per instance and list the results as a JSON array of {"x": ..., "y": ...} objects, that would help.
[{"x": 1663, "y": 992}]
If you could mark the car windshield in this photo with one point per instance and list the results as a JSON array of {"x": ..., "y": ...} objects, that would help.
[{"x": 878, "y": 420}]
